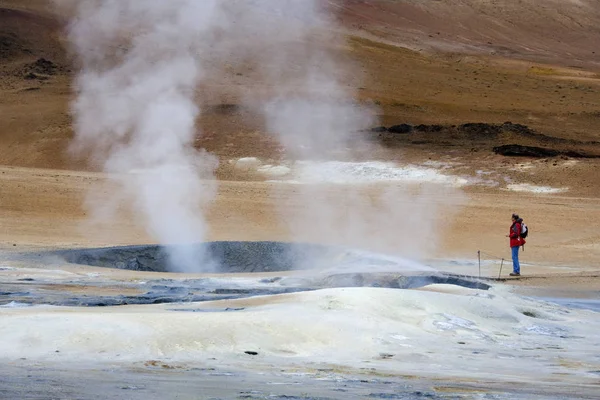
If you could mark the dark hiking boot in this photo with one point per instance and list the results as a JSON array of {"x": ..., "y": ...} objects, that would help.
[{"x": 514, "y": 274}]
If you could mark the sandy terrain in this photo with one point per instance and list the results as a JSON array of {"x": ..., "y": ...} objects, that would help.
[
  {"x": 555, "y": 31},
  {"x": 407, "y": 86},
  {"x": 434, "y": 196},
  {"x": 43, "y": 209}
]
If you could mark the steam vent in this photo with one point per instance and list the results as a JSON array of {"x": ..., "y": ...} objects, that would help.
[
  {"x": 283, "y": 267},
  {"x": 320, "y": 265},
  {"x": 220, "y": 257}
]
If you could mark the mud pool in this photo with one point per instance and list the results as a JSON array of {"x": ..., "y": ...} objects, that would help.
[
  {"x": 233, "y": 259},
  {"x": 281, "y": 320}
]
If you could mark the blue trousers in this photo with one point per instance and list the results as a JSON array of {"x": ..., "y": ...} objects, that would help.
[{"x": 515, "y": 258}]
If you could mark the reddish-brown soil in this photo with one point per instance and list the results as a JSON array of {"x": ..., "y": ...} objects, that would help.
[{"x": 450, "y": 62}]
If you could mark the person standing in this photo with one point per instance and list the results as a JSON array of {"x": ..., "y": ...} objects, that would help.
[{"x": 516, "y": 241}]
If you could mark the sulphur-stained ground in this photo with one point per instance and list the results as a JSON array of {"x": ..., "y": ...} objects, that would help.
[
  {"x": 438, "y": 341},
  {"x": 447, "y": 82}
]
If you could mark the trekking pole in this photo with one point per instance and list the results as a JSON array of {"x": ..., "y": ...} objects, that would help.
[
  {"x": 500, "y": 273},
  {"x": 479, "y": 258}
]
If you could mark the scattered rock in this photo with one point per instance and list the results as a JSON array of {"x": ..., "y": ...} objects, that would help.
[
  {"x": 385, "y": 395},
  {"x": 42, "y": 69},
  {"x": 429, "y": 128},
  {"x": 379, "y": 129},
  {"x": 158, "y": 364},
  {"x": 270, "y": 280},
  {"x": 517, "y": 128},
  {"x": 479, "y": 129},
  {"x": 452, "y": 135},
  {"x": 43, "y": 66},
  {"x": 231, "y": 291},
  {"x": 132, "y": 388},
  {"x": 579, "y": 154},
  {"x": 517, "y": 150},
  {"x": 402, "y": 128},
  {"x": 33, "y": 76},
  {"x": 530, "y": 314}
]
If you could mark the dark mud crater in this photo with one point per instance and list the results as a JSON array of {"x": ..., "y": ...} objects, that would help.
[
  {"x": 220, "y": 257},
  {"x": 318, "y": 266}
]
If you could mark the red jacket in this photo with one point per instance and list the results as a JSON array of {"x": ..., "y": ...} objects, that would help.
[{"x": 515, "y": 235}]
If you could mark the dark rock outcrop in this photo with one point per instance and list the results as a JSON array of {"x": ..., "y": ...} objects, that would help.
[
  {"x": 481, "y": 129},
  {"x": 402, "y": 128},
  {"x": 42, "y": 69},
  {"x": 484, "y": 136},
  {"x": 517, "y": 150},
  {"x": 429, "y": 128},
  {"x": 43, "y": 66},
  {"x": 517, "y": 128}
]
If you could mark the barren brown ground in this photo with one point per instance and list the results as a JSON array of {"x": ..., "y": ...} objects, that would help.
[
  {"x": 42, "y": 208},
  {"x": 444, "y": 62}
]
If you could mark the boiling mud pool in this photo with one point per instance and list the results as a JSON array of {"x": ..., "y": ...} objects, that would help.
[{"x": 347, "y": 324}]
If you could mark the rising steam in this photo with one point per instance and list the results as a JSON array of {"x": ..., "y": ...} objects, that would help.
[
  {"x": 135, "y": 112},
  {"x": 137, "y": 106}
]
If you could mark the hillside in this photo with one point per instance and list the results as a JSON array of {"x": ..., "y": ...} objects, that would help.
[
  {"x": 564, "y": 32},
  {"x": 441, "y": 62}
]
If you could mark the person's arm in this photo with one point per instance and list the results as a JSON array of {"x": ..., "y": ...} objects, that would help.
[{"x": 514, "y": 230}]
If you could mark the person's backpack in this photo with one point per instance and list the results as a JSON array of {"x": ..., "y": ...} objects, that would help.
[{"x": 524, "y": 230}]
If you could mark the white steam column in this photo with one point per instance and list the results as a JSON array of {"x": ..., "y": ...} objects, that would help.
[{"x": 135, "y": 112}]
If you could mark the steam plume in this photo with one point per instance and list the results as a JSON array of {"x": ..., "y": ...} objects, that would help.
[
  {"x": 135, "y": 112},
  {"x": 312, "y": 108},
  {"x": 137, "y": 106}
]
